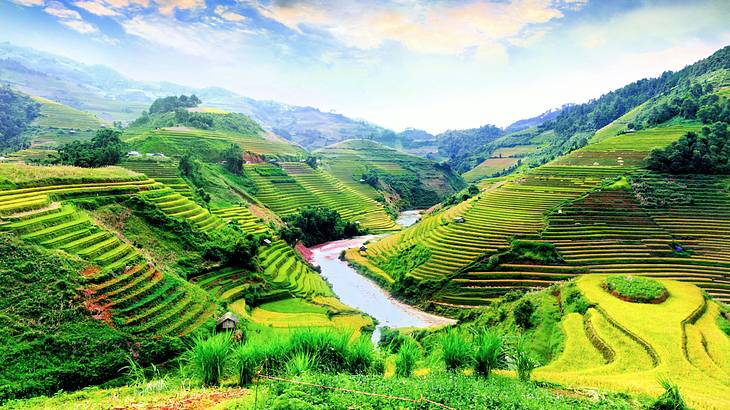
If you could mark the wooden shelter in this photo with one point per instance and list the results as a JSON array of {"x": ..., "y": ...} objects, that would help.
[{"x": 227, "y": 322}]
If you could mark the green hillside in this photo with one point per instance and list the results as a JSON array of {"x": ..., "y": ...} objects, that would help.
[
  {"x": 378, "y": 171},
  {"x": 57, "y": 115}
]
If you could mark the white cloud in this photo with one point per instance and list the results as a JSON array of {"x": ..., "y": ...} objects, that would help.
[
  {"x": 229, "y": 15},
  {"x": 29, "y": 3},
  {"x": 421, "y": 26},
  {"x": 70, "y": 18},
  {"x": 168, "y": 7},
  {"x": 96, "y": 7},
  {"x": 197, "y": 39}
]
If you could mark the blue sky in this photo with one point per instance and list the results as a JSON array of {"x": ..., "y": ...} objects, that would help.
[{"x": 428, "y": 64}]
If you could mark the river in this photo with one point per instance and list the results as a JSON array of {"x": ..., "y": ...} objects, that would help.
[{"x": 364, "y": 294}]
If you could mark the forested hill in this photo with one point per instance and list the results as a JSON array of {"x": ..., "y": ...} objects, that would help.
[{"x": 662, "y": 98}]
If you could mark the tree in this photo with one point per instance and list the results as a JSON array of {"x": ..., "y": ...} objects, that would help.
[
  {"x": 523, "y": 313},
  {"x": 106, "y": 148},
  {"x": 314, "y": 225},
  {"x": 233, "y": 157},
  {"x": 17, "y": 111}
]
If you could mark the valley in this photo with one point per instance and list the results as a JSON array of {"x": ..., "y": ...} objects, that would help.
[{"x": 203, "y": 255}]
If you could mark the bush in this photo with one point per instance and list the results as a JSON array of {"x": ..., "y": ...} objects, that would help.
[
  {"x": 330, "y": 348},
  {"x": 455, "y": 350},
  {"x": 671, "y": 399},
  {"x": 301, "y": 363},
  {"x": 408, "y": 355},
  {"x": 523, "y": 313},
  {"x": 635, "y": 288},
  {"x": 488, "y": 353},
  {"x": 208, "y": 357}
]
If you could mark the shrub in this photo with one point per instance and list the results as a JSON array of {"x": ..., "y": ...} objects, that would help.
[
  {"x": 523, "y": 313},
  {"x": 208, "y": 357},
  {"x": 635, "y": 288},
  {"x": 522, "y": 361},
  {"x": 408, "y": 355},
  {"x": 455, "y": 350},
  {"x": 246, "y": 359},
  {"x": 488, "y": 353},
  {"x": 671, "y": 399},
  {"x": 314, "y": 225}
]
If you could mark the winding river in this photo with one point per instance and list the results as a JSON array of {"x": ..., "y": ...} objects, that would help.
[{"x": 363, "y": 293}]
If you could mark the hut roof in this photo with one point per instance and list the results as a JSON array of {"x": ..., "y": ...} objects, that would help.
[{"x": 227, "y": 316}]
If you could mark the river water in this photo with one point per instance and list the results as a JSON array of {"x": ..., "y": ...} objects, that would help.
[{"x": 364, "y": 294}]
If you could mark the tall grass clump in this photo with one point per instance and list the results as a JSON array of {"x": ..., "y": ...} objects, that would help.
[
  {"x": 488, "y": 353},
  {"x": 247, "y": 360},
  {"x": 456, "y": 351},
  {"x": 671, "y": 399},
  {"x": 329, "y": 347},
  {"x": 408, "y": 355},
  {"x": 360, "y": 356},
  {"x": 208, "y": 357},
  {"x": 522, "y": 361},
  {"x": 301, "y": 363},
  {"x": 274, "y": 353}
]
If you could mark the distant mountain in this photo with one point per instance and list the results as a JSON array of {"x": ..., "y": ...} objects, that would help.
[
  {"x": 112, "y": 96},
  {"x": 526, "y": 123}
]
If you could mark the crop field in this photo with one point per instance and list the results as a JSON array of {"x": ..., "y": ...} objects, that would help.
[
  {"x": 21, "y": 175},
  {"x": 348, "y": 160},
  {"x": 629, "y": 150},
  {"x": 296, "y": 185},
  {"x": 676, "y": 339},
  {"x": 490, "y": 221},
  {"x": 610, "y": 231},
  {"x": 163, "y": 170},
  {"x": 176, "y": 205},
  {"x": 207, "y": 144},
  {"x": 56, "y": 115},
  {"x": 123, "y": 287},
  {"x": 489, "y": 167},
  {"x": 288, "y": 315}
]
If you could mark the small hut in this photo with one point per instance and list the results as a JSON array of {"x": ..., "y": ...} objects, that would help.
[
  {"x": 459, "y": 219},
  {"x": 226, "y": 323},
  {"x": 363, "y": 248},
  {"x": 267, "y": 242}
]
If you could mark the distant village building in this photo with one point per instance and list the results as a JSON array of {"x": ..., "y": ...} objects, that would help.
[
  {"x": 227, "y": 322},
  {"x": 267, "y": 242},
  {"x": 459, "y": 219},
  {"x": 363, "y": 248},
  {"x": 134, "y": 154}
]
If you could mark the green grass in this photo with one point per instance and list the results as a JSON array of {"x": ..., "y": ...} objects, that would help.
[
  {"x": 635, "y": 288},
  {"x": 21, "y": 175}
]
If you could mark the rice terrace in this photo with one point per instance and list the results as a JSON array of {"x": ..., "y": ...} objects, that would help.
[{"x": 264, "y": 204}]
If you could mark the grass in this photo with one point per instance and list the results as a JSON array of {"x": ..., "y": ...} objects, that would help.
[
  {"x": 635, "y": 288},
  {"x": 408, "y": 354},
  {"x": 208, "y": 357},
  {"x": 455, "y": 350},
  {"x": 488, "y": 353},
  {"x": 22, "y": 175}
]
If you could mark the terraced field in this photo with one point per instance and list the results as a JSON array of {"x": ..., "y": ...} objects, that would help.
[
  {"x": 348, "y": 160},
  {"x": 163, "y": 170},
  {"x": 608, "y": 232},
  {"x": 208, "y": 144},
  {"x": 243, "y": 217},
  {"x": 296, "y": 185},
  {"x": 676, "y": 339},
  {"x": 176, "y": 205},
  {"x": 123, "y": 287},
  {"x": 490, "y": 221},
  {"x": 56, "y": 115}
]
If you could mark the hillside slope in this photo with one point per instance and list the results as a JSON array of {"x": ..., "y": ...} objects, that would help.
[{"x": 378, "y": 171}]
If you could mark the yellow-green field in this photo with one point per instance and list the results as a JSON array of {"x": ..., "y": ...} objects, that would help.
[{"x": 676, "y": 339}]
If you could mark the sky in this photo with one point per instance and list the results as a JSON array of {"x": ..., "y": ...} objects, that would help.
[{"x": 428, "y": 64}]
